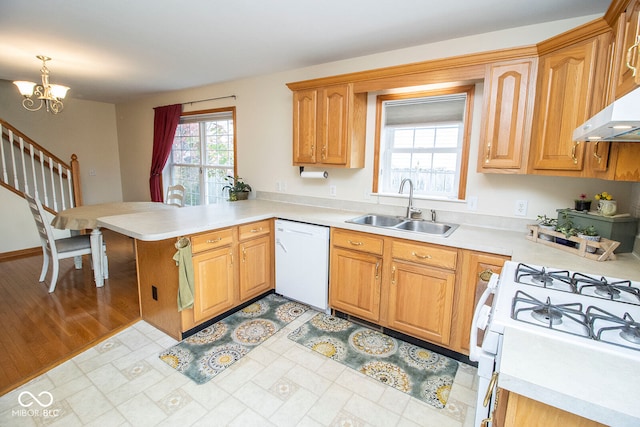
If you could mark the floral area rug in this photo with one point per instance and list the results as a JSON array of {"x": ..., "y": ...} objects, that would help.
[
  {"x": 205, "y": 354},
  {"x": 421, "y": 373}
]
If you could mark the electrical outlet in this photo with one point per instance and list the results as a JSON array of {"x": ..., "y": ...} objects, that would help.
[
  {"x": 332, "y": 190},
  {"x": 283, "y": 186},
  {"x": 278, "y": 186},
  {"x": 472, "y": 203},
  {"x": 92, "y": 172},
  {"x": 521, "y": 208}
]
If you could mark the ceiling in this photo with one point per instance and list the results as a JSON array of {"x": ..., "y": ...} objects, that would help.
[{"x": 118, "y": 50}]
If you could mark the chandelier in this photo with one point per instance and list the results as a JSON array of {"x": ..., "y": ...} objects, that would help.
[{"x": 49, "y": 95}]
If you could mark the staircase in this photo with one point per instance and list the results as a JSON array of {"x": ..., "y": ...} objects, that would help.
[{"x": 27, "y": 167}]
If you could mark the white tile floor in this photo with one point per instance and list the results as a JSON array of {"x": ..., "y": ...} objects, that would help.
[{"x": 122, "y": 382}]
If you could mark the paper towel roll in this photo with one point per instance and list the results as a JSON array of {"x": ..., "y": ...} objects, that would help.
[{"x": 314, "y": 175}]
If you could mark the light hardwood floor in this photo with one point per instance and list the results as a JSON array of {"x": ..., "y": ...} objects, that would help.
[{"x": 41, "y": 330}]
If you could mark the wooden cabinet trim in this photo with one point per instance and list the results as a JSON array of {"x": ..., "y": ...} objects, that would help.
[
  {"x": 357, "y": 241},
  {"x": 424, "y": 253},
  {"x": 211, "y": 240},
  {"x": 254, "y": 229}
]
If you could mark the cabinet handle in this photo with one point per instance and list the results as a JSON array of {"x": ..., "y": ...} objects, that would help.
[
  {"x": 313, "y": 150},
  {"x": 488, "y": 156},
  {"x": 231, "y": 255},
  {"x": 324, "y": 152},
  {"x": 244, "y": 254},
  {"x": 214, "y": 240},
  {"x": 377, "y": 270},
  {"x": 485, "y": 275},
  {"x": 256, "y": 230},
  {"x": 573, "y": 152},
  {"x": 393, "y": 275},
  {"x": 355, "y": 243},
  {"x": 630, "y": 56},
  {"x": 421, "y": 256},
  {"x": 595, "y": 152}
]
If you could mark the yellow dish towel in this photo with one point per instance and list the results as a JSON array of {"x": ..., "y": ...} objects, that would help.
[{"x": 185, "y": 273}]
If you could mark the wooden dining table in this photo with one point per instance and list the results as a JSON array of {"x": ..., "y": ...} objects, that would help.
[{"x": 86, "y": 218}]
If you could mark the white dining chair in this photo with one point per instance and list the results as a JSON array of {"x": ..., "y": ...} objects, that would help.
[
  {"x": 175, "y": 195},
  {"x": 57, "y": 249}
]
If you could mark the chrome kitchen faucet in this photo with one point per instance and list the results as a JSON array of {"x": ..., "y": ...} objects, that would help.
[{"x": 410, "y": 209}]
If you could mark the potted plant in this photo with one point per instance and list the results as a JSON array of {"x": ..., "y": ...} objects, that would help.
[
  {"x": 606, "y": 205},
  {"x": 566, "y": 227},
  {"x": 589, "y": 233},
  {"x": 582, "y": 204},
  {"x": 548, "y": 224},
  {"x": 238, "y": 190}
]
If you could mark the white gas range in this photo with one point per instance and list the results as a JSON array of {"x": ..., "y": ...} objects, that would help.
[{"x": 564, "y": 338}]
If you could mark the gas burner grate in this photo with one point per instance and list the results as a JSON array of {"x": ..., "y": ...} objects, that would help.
[
  {"x": 603, "y": 289},
  {"x": 542, "y": 277},
  {"x": 568, "y": 318},
  {"x": 606, "y": 327}
]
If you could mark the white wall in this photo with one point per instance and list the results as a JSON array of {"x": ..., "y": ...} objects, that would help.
[
  {"x": 264, "y": 135},
  {"x": 84, "y": 128}
]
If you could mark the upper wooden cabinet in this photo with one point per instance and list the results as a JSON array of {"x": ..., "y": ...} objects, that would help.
[
  {"x": 570, "y": 88},
  {"x": 626, "y": 65},
  {"x": 329, "y": 127},
  {"x": 509, "y": 89}
]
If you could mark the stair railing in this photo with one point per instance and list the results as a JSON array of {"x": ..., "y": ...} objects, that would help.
[{"x": 29, "y": 168}]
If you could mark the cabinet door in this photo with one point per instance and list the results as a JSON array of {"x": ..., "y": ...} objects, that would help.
[
  {"x": 256, "y": 267},
  {"x": 508, "y": 110},
  {"x": 525, "y": 412},
  {"x": 354, "y": 284},
  {"x": 475, "y": 274},
  {"x": 214, "y": 283},
  {"x": 305, "y": 127},
  {"x": 564, "y": 100},
  {"x": 333, "y": 135},
  {"x": 627, "y": 65},
  {"x": 420, "y": 301}
]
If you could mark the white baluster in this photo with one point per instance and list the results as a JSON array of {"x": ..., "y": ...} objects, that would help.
[
  {"x": 61, "y": 186},
  {"x": 5, "y": 176},
  {"x": 44, "y": 179},
  {"x": 33, "y": 171},
  {"x": 70, "y": 183},
  {"x": 13, "y": 161},
  {"x": 24, "y": 167},
  {"x": 53, "y": 190}
]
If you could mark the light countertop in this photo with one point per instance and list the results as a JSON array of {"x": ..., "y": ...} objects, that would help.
[{"x": 174, "y": 223}]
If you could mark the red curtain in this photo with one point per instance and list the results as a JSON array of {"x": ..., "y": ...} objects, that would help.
[{"x": 165, "y": 123}]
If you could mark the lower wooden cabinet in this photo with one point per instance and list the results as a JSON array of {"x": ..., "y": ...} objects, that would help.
[
  {"x": 231, "y": 266},
  {"x": 423, "y": 290},
  {"x": 475, "y": 271},
  {"x": 354, "y": 283},
  {"x": 524, "y": 412},
  {"x": 256, "y": 271},
  {"x": 214, "y": 284},
  {"x": 420, "y": 301}
]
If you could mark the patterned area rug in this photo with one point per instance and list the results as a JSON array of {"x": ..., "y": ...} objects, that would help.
[
  {"x": 421, "y": 373},
  {"x": 207, "y": 353}
]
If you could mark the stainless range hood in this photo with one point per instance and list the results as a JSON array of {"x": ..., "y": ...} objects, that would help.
[{"x": 620, "y": 121}]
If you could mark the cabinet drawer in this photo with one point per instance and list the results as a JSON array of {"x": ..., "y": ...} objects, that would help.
[
  {"x": 358, "y": 241},
  {"x": 211, "y": 240},
  {"x": 254, "y": 229},
  {"x": 424, "y": 254}
]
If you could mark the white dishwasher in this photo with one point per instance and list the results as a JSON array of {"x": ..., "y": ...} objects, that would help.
[{"x": 302, "y": 263}]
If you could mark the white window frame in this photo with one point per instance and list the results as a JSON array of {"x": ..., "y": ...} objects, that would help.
[{"x": 210, "y": 177}]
